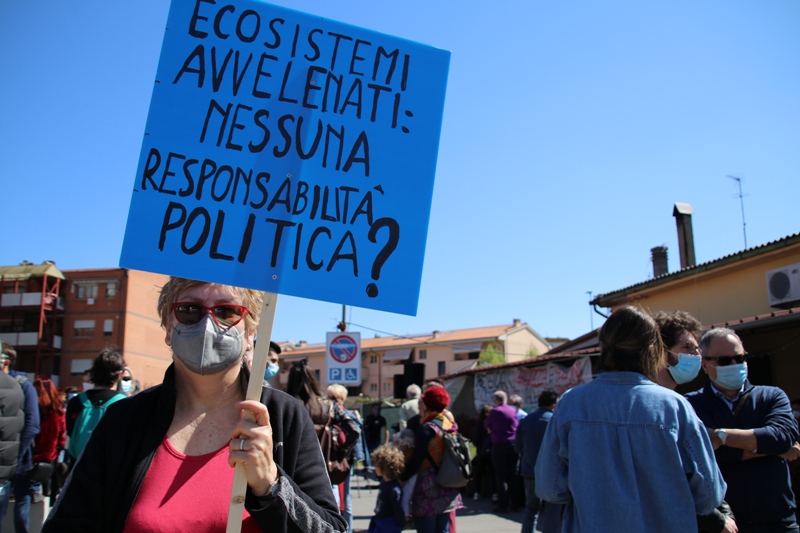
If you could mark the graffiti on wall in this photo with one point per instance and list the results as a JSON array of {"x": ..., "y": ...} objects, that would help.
[{"x": 530, "y": 382}]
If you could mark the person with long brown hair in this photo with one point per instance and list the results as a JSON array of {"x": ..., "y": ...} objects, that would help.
[
  {"x": 52, "y": 435},
  {"x": 623, "y": 453},
  {"x": 328, "y": 416}
]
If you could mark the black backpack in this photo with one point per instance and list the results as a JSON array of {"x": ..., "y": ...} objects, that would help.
[{"x": 455, "y": 471}]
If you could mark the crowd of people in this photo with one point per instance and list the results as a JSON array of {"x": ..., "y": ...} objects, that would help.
[
  {"x": 627, "y": 453},
  {"x": 39, "y": 442},
  {"x": 624, "y": 452}
]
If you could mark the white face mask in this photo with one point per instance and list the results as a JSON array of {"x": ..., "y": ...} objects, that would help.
[
  {"x": 206, "y": 348},
  {"x": 686, "y": 369},
  {"x": 732, "y": 376},
  {"x": 126, "y": 386}
]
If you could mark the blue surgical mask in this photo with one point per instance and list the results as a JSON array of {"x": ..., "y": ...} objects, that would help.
[
  {"x": 125, "y": 386},
  {"x": 687, "y": 368},
  {"x": 731, "y": 377},
  {"x": 271, "y": 371},
  {"x": 205, "y": 347}
]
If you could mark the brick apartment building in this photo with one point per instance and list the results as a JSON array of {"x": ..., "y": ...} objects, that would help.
[
  {"x": 58, "y": 321},
  {"x": 113, "y": 307}
]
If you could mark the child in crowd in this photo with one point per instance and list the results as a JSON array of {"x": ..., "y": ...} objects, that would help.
[
  {"x": 389, "y": 515},
  {"x": 404, "y": 441}
]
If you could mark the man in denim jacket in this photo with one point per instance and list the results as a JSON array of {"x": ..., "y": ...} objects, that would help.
[{"x": 751, "y": 446}]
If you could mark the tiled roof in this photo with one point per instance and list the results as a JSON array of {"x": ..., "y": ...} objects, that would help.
[
  {"x": 536, "y": 361},
  {"x": 786, "y": 314},
  {"x": 441, "y": 338},
  {"x": 590, "y": 338},
  {"x": 603, "y": 299},
  {"x": 22, "y": 272},
  {"x": 793, "y": 313}
]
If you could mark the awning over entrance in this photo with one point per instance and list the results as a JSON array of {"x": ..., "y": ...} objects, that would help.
[
  {"x": 467, "y": 348},
  {"x": 394, "y": 356}
]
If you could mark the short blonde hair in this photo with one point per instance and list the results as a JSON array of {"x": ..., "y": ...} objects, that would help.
[
  {"x": 339, "y": 392},
  {"x": 251, "y": 299},
  {"x": 390, "y": 460}
]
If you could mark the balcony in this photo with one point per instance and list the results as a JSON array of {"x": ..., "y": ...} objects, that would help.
[
  {"x": 29, "y": 299},
  {"x": 27, "y": 338}
]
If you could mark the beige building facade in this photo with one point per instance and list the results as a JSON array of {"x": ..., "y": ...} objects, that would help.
[
  {"x": 756, "y": 292},
  {"x": 728, "y": 288},
  {"x": 440, "y": 353}
]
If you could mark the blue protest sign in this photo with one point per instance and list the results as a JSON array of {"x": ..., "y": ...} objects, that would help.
[{"x": 288, "y": 153}]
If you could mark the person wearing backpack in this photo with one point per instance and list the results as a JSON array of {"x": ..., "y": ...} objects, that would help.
[
  {"x": 336, "y": 430},
  {"x": 431, "y": 503},
  {"x": 85, "y": 410}
]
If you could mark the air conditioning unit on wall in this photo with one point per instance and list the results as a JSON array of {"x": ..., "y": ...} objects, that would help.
[{"x": 783, "y": 286}]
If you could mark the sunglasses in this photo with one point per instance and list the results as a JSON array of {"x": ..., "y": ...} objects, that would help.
[
  {"x": 226, "y": 315},
  {"x": 725, "y": 360}
]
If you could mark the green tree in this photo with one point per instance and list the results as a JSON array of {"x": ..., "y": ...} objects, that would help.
[{"x": 492, "y": 355}]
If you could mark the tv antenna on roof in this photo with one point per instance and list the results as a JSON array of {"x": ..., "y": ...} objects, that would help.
[{"x": 741, "y": 201}]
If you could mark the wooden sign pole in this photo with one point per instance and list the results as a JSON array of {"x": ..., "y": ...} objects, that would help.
[{"x": 260, "y": 353}]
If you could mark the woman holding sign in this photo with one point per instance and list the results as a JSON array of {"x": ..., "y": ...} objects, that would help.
[{"x": 162, "y": 460}]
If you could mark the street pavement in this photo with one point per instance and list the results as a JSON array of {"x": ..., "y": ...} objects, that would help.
[{"x": 476, "y": 517}]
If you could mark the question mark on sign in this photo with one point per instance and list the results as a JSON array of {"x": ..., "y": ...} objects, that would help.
[{"x": 386, "y": 251}]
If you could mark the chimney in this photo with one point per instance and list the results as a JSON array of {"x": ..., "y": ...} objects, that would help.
[
  {"x": 517, "y": 322},
  {"x": 683, "y": 218},
  {"x": 302, "y": 344},
  {"x": 436, "y": 334},
  {"x": 659, "y": 255}
]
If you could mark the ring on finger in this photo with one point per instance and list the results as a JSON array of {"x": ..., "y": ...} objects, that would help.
[{"x": 241, "y": 445}]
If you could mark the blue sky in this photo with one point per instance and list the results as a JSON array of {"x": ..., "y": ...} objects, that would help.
[{"x": 570, "y": 129}]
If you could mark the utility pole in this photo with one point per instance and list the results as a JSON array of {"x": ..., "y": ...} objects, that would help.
[
  {"x": 591, "y": 315},
  {"x": 343, "y": 324},
  {"x": 741, "y": 201}
]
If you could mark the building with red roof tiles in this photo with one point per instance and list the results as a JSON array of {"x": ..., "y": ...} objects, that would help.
[{"x": 418, "y": 358}]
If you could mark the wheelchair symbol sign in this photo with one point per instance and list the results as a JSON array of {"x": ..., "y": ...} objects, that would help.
[{"x": 343, "y": 358}]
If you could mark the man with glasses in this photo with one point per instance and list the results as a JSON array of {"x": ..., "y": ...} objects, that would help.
[{"x": 753, "y": 432}]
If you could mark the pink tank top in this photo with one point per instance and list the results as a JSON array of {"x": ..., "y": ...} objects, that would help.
[{"x": 185, "y": 493}]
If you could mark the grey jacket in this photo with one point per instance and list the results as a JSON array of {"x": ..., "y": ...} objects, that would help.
[{"x": 12, "y": 421}]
